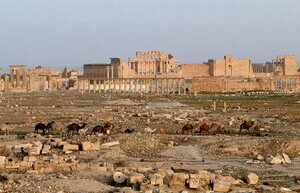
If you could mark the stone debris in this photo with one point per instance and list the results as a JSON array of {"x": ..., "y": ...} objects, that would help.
[
  {"x": 251, "y": 178},
  {"x": 155, "y": 158},
  {"x": 270, "y": 159},
  {"x": 110, "y": 144},
  {"x": 119, "y": 177}
]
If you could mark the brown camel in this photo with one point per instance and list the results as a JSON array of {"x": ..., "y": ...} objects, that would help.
[
  {"x": 220, "y": 129},
  {"x": 206, "y": 127},
  {"x": 75, "y": 127},
  {"x": 246, "y": 125}
]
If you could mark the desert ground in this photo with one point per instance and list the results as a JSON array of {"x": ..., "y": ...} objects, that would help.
[{"x": 155, "y": 156}]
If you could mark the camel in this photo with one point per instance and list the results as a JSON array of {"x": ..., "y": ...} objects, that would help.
[
  {"x": 220, "y": 129},
  {"x": 257, "y": 128},
  {"x": 41, "y": 126},
  {"x": 206, "y": 127},
  {"x": 98, "y": 129},
  {"x": 246, "y": 125},
  {"x": 50, "y": 126},
  {"x": 75, "y": 127},
  {"x": 187, "y": 127}
]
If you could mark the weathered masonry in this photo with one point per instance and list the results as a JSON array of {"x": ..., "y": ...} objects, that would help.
[
  {"x": 131, "y": 85},
  {"x": 283, "y": 83},
  {"x": 150, "y": 64},
  {"x": 15, "y": 85}
]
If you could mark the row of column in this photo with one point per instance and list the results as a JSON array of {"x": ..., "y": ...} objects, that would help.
[
  {"x": 151, "y": 67},
  {"x": 18, "y": 78},
  {"x": 158, "y": 86}
]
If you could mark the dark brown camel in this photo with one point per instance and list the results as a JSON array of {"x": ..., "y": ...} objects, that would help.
[
  {"x": 75, "y": 127},
  {"x": 98, "y": 129},
  {"x": 246, "y": 125},
  {"x": 41, "y": 126},
  {"x": 187, "y": 127}
]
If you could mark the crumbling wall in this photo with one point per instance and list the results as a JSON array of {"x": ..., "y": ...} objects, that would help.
[
  {"x": 189, "y": 71},
  {"x": 221, "y": 84}
]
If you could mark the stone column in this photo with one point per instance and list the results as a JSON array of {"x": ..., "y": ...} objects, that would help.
[
  {"x": 146, "y": 85},
  {"x": 24, "y": 80},
  {"x": 157, "y": 92},
  {"x": 214, "y": 105},
  {"x": 18, "y": 78},
  {"x": 167, "y": 67},
  {"x": 162, "y": 86},
  {"x": 179, "y": 82},
  {"x": 174, "y": 85},
  {"x": 125, "y": 85},
  {"x": 184, "y": 86},
  {"x": 152, "y": 85},
  {"x": 6, "y": 83},
  {"x": 160, "y": 67},
  {"x": 104, "y": 85},
  {"x": 120, "y": 85},
  {"x": 12, "y": 82},
  {"x": 89, "y": 85},
  {"x": 83, "y": 82},
  {"x": 225, "y": 106},
  {"x": 130, "y": 87},
  {"x": 114, "y": 84},
  {"x": 112, "y": 72},
  {"x": 109, "y": 85},
  {"x": 141, "y": 84},
  {"x": 135, "y": 85},
  {"x": 107, "y": 71},
  {"x": 168, "y": 86},
  {"x": 99, "y": 85},
  {"x": 94, "y": 85}
]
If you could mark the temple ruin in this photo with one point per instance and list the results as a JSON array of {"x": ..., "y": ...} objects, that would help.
[{"x": 157, "y": 72}]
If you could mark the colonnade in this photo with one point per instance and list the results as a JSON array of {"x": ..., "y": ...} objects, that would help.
[
  {"x": 18, "y": 68},
  {"x": 133, "y": 85}
]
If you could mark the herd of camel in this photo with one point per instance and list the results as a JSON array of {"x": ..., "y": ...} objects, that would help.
[
  {"x": 220, "y": 128},
  {"x": 74, "y": 127}
]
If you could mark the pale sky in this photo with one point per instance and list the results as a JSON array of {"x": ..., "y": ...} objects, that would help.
[{"x": 58, "y": 33}]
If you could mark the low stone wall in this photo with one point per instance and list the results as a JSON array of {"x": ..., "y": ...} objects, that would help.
[{"x": 221, "y": 84}]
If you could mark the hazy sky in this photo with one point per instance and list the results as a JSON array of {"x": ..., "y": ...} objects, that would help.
[{"x": 58, "y": 33}]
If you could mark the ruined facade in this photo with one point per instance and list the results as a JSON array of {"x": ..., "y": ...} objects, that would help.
[
  {"x": 228, "y": 74},
  {"x": 145, "y": 64},
  {"x": 39, "y": 79},
  {"x": 283, "y": 65}
]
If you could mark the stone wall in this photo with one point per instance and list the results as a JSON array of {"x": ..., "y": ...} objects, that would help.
[
  {"x": 189, "y": 71},
  {"x": 220, "y": 84},
  {"x": 289, "y": 64},
  {"x": 230, "y": 67}
]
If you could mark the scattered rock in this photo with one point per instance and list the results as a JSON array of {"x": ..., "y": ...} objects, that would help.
[{"x": 251, "y": 178}]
